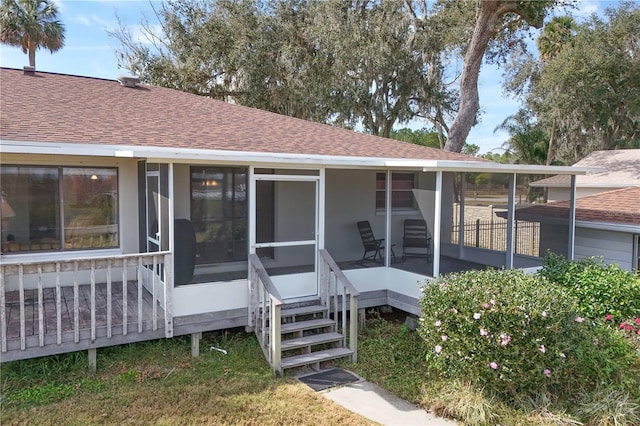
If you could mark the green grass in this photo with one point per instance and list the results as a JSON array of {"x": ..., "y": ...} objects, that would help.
[{"x": 159, "y": 382}]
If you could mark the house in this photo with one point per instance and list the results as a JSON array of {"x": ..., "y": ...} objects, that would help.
[
  {"x": 607, "y": 225},
  {"x": 620, "y": 169},
  {"x": 132, "y": 212}
]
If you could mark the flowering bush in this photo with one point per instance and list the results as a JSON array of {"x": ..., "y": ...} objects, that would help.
[
  {"x": 601, "y": 289},
  {"x": 516, "y": 335}
]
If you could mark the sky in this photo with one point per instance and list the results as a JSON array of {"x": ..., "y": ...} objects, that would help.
[{"x": 89, "y": 51}]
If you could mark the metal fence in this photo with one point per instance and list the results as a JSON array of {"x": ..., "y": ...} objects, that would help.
[{"x": 492, "y": 235}]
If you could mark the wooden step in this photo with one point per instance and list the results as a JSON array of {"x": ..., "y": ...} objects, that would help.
[
  {"x": 291, "y": 327},
  {"x": 302, "y": 310},
  {"x": 315, "y": 357},
  {"x": 314, "y": 339}
]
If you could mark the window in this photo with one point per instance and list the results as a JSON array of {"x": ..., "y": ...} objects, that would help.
[
  {"x": 402, "y": 185},
  {"x": 219, "y": 213},
  {"x": 58, "y": 208}
]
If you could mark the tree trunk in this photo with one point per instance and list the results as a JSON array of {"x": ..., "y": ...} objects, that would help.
[
  {"x": 32, "y": 53},
  {"x": 484, "y": 30},
  {"x": 552, "y": 148}
]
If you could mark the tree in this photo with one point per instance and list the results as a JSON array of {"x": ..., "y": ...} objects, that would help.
[
  {"x": 31, "y": 25},
  {"x": 494, "y": 17},
  {"x": 528, "y": 142},
  {"x": 585, "y": 91},
  {"x": 344, "y": 63}
]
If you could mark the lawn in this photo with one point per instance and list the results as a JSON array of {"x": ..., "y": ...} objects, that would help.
[{"x": 160, "y": 383}]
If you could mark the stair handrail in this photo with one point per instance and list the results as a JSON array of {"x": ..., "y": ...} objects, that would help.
[
  {"x": 347, "y": 289},
  {"x": 261, "y": 290}
]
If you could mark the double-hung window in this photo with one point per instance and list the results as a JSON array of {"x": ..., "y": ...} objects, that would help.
[
  {"x": 51, "y": 208},
  {"x": 402, "y": 185}
]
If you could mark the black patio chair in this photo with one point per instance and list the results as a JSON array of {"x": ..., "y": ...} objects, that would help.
[
  {"x": 417, "y": 240},
  {"x": 370, "y": 243}
]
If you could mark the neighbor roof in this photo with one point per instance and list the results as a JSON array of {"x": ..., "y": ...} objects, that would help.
[
  {"x": 619, "y": 206},
  {"x": 58, "y": 108},
  {"x": 622, "y": 170}
]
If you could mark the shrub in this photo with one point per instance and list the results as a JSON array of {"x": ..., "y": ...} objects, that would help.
[
  {"x": 517, "y": 336},
  {"x": 600, "y": 289}
]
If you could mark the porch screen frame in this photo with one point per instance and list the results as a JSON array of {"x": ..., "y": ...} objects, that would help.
[{"x": 318, "y": 242}]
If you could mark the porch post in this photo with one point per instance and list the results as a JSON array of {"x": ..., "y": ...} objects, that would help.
[
  {"x": 171, "y": 210},
  {"x": 252, "y": 210},
  {"x": 437, "y": 224},
  {"x": 387, "y": 218},
  {"x": 251, "y": 223},
  {"x": 463, "y": 194},
  {"x": 511, "y": 206},
  {"x": 321, "y": 210},
  {"x": 572, "y": 220}
]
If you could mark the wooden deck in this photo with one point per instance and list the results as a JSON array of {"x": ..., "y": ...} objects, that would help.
[{"x": 132, "y": 319}]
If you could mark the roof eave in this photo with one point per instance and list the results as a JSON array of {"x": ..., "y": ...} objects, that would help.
[{"x": 162, "y": 154}]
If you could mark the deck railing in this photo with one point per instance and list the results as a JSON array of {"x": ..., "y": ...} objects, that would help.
[
  {"x": 335, "y": 289},
  {"x": 492, "y": 235},
  {"x": 76, "y": 282},
  {"x": 264, "y": 312}
]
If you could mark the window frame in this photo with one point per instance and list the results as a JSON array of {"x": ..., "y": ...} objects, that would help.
[
  {"x": 395, "y": 209},
  {"x": 60, "y": 207}
]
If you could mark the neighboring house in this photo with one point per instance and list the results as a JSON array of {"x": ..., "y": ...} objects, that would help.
[
  {"x": 607, "y": 225},
  {"x": 621, "y": 169},
  {"x": 132, "y": 212}
]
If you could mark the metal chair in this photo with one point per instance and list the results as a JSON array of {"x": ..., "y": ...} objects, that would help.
[
  {"x": 370, "y": 243},
  {"x": 417, "y": 240}
]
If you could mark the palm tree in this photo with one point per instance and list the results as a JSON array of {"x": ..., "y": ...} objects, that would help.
[
  {"x": 528, "y": 142},
  {"x": 559, "y": 32},
  {"x": 31, "y": 24}
]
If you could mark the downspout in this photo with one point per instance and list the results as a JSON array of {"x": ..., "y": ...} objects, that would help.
[
  {"x": 572, "y": 220},
  {"x": 437, "y": 224},
  {"x": 510, "y": 221}
]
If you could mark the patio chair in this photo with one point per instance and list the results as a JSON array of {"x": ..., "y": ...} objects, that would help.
[
  {"x": 417, "y": 240},
  {"x": 370, "y": 243}
]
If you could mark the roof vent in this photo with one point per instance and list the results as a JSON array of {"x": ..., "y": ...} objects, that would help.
[
  {"x": 128, "y": 81},
  {"x": 29, "y": 70}
]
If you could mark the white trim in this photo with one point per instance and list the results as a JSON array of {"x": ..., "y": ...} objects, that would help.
[
  {"x": 62, "y": 255},
  {"x": 164, "y": 154},
  {"x": 617, "y": 227},
  {"x": 286, "y": 244}
]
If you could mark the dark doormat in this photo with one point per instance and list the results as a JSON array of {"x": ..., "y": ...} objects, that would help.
[{"x": 328, "y": 378}]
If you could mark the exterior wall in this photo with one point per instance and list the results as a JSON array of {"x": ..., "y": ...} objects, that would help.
[
  {"x": 182, "y": 191},
  {"x": 613, "y": 247},
  {"x": 555, "y": 238},
  {"x": 563, "y": 194},
  {"x": 351, "y": 197}
]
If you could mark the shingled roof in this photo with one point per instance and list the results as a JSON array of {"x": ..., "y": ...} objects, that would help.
[
  {"x": 622, "y": 170},
  {"x": 619, "y": 206},
  {"x": 48, "y": 107}
]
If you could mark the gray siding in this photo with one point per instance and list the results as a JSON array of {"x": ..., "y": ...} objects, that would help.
[{"x": 612, "y": 246}]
